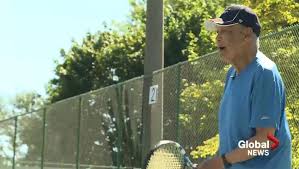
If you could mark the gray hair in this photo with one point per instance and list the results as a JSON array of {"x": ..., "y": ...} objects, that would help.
[{"x": 257, "y": 42}]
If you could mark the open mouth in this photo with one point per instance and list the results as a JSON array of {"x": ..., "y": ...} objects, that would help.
[{"x": 221, "y": 48}]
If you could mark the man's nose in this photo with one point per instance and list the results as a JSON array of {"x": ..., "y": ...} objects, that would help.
[{"x": 218, "y": 37}]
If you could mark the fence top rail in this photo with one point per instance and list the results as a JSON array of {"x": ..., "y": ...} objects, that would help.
[
  {"x": 10, "y": 118},
  {"x": 270, "y": 35}
]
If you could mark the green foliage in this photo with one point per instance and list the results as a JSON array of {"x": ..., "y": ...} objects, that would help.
[
  {"x": 283, "y": 49},
  {"x": 293, "y": 119},
  {"x": 27, "y": 102},
  {"x": 93, "y": 64},
  {"x": 29, "y": 127},
  {"x": 6, "y": 135},
  {"x": 208, "y": 149},
  {"x": 2, "y": 110},
  {"x": 185, "y": 37},
  {"x": 116, "y": 52},
  {"x": 199, "y": 104},
  {"x": 275, "y": 14}
]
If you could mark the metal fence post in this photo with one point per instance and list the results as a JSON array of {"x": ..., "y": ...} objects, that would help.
[
  {"x": 119, "y": 122},
  {"x": 178, "y": 89},
  {"x": 78, "y": 133},
  {"x": 15, "y": 143},
  {"x": 43, "y": 138}
]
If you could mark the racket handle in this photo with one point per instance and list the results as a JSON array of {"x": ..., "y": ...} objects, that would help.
[{"x": 189, "y": 163}]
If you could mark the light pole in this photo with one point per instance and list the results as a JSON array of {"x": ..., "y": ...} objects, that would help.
[{"x": 154, "y": 60}]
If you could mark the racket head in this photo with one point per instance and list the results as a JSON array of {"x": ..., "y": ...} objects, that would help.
[{"x": 167, "y": 154}]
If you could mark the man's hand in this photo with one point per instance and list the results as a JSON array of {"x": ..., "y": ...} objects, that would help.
[{"x": 214, "y": 163}]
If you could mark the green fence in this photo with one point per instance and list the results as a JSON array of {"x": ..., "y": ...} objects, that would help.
[{"x": 103, "y": 128}]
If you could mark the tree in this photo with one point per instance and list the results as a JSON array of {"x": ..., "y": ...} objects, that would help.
[
  {"x": 91, "y": 65},
  {"x": 29, "y": 126},
  {"x": 28, "y": 102},
  {"x": 5, "y": 136},
  {"x": 275, "y": 14},
  {"x": 2, "y": 110}
]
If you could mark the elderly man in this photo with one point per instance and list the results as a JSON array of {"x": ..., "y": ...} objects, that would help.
[{"x": 252, "y": 108}]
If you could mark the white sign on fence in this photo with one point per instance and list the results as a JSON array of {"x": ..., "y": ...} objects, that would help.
[{"x": 153, "y": 94}]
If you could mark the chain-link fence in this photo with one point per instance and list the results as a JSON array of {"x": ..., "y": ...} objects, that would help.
[{"x": 103, "y": 129}]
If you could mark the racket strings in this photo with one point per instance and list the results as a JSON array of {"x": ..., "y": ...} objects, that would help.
[{"x": 166, "y": 157}]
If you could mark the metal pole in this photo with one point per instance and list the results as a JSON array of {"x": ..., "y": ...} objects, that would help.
[
  {"x": 178, "y": 89},
  {"x": 119, "y": 121},
  {"x": 154, "y": 60},
  {"x": 15, "y": 143},
  {"x": 44, "y": 138},
  {"x": 79, "y": 133}
]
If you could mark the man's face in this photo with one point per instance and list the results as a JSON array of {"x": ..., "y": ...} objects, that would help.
[{"x": 230, "y": 42}]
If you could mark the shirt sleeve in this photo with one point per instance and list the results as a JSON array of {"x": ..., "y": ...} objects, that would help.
[{"x": 267, "y": 96}]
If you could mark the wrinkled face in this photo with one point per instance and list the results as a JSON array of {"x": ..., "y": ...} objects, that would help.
[{"x": 230, "y": 42}]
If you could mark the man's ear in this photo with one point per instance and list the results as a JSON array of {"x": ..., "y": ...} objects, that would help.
[{"x": 248, "y": 32}]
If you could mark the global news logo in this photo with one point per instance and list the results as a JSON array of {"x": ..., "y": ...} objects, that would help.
[{"x": 260, "y": 148}]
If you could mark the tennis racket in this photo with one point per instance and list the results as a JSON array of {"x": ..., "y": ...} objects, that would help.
[{"x": 168, "y": 155}]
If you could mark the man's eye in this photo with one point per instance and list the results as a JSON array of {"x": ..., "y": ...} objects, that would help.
[
  {"x": 224, "y": 32},
  {"x": 227, "y": 31}
]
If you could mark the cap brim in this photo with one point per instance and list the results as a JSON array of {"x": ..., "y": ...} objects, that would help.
[{"x": 212, "y": 24}]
